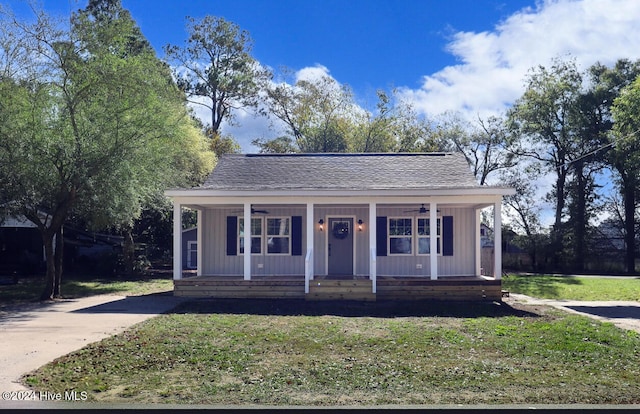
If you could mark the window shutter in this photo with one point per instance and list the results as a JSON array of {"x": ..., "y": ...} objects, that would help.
[
  {"x": 447, "y": 236},
  {"x": 381, "y": 236},
  {"x": 232, "y": 236},
  {"x": 296, "y": 236}
]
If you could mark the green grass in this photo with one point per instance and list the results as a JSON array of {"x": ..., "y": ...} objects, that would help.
[
  {"x": 28, "y": 289},
  {"x": 299, "y": 353},
  {"x": 574, "y": 287}
]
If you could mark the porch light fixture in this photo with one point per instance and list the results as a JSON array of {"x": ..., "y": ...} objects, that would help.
[
  {"x": 360, "y": 223},
  {"x": 321, "y": 223}
]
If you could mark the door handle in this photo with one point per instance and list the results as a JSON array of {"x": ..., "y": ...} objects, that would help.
[{"x": 329, "y": 249}]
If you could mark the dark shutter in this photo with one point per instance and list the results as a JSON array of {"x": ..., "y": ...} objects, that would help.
[
  {"x": 381, "y": 236},
  {"x": 296, "y": 236},
  {"x": 447, "y": 236},
  {"x": 232, "y": 236}
]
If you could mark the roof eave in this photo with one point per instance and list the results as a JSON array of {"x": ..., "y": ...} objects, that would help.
[{"x": 502, "y": 191}]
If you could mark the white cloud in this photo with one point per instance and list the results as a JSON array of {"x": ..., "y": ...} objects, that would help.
[
  {"x": 312, "y": 73},
  {"x": 493, "y": 65},
  {"x": 248, "y": 127}
]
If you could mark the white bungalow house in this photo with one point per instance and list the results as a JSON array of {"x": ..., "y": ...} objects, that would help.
[{"x": 331, "y": 226}]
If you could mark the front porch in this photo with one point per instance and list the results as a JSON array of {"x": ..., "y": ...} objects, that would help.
[{"x": 451, "y": 288}]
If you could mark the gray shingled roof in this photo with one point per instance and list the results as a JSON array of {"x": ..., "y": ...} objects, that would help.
[{"x": 341, "y": 172}]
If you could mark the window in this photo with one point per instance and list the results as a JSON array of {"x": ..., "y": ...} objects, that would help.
[
  {"x": 424, "y": 236},
  {"x": 256, "y": 235},
  {"x": 400, "y": 235},
  {"x": 278, "y": 235}
]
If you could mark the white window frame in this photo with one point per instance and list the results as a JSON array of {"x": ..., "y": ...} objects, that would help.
[
  {"x": 267, "y": 235},
  {"x": 258, "y": 236},
  {"x": 192, "y": 246},
  {"x": 411, "y": 236},
  {"x": 428, "y": 237}
]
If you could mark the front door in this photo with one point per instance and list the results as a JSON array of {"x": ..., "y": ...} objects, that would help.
[{"x": 340, "y": 247}]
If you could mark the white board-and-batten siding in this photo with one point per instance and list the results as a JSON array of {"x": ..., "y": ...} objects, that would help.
[{"x": 216, "y": 261}]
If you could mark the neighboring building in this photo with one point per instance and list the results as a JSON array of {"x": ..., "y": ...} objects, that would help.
[
  {"x": 339, "y": 226},
  {"x": 21, "y": 247},
  {"x": 22, "y": 250}
]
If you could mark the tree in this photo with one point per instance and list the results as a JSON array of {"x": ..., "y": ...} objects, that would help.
[
  {"x": 374, "y": 132},
  {"x": 411, "y": 131},
  {"x": 216, "y": 70},
  {"x": 547, "y": 117},
  {"x": 320, "y": 115},
  {"x": 279, "y": 145},
  {"x": 486, "y": 145},
  {"x": 524, "y": 209},
  {"x": 606, "y": 85},
  {"x": 98, "y": 129},
  {"x": 626, "y": 158},
  {"x": 317, "y": 113}
]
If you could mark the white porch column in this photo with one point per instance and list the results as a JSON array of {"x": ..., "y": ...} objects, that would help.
[
  {"x": 177, "y": 241},
  {"x": 373, "y": 237},
  {"x": 247, "y": 241},
  {"x": 478, "y": 243},
  {"x": 497, "y": 238},
  {"x": 199, "y": 241},
  {"x": 309, "y": 256},
  {"x": 433, "y": 239}
]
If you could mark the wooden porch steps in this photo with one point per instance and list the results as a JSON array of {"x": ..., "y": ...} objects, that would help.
[{"x": 323, "y": 289}]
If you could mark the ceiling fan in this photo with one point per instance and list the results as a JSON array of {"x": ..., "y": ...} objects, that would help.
[
  {"x": 421, "y": 210},
  {"x": 254, "y": 211}
]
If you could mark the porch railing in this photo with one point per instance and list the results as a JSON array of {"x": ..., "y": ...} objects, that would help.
[
  {"x": 308, "y": 270},
  {"x": 373, "y": 270}
]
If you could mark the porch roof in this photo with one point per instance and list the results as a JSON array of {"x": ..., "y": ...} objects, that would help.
[{"x": 385, "y": 171}]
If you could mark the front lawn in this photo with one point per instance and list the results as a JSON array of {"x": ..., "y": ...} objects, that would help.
[
  {"x": 29, "y": 289},
  {"x": 574, "y": 287},
  {"x": 345, "y": 353}
]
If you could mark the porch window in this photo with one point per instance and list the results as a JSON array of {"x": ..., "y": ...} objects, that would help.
[
  {"x": 256, "y": 235},
  {"x": 400, "y": 235},
  {"x": 278, "y": 235},
  {"x": 424, "y": 236}
]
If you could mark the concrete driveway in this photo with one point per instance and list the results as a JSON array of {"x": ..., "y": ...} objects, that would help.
[
  {"x": 623, "y": 314},
  {"x": 35, "y": 334}
]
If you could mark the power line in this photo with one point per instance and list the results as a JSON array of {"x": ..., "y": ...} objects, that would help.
[{"x": 611, "y": 144}]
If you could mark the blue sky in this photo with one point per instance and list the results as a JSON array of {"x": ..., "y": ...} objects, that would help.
[
  {"x": 368, "y": 44},
  {"x": 467, "y": 56}
]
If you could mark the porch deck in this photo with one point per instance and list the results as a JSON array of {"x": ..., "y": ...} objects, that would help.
[{"x": 449, "y": 288}]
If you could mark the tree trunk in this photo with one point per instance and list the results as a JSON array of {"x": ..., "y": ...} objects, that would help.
[
  {"x": 629, "y": 225},
  {"x": 50, "y": 275},
  {"x": 129, "y": 252},
  {"x": 59, "y": 259},
  {"x": 580, "y": 219},
  {"x": 557, "y": 234}
]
